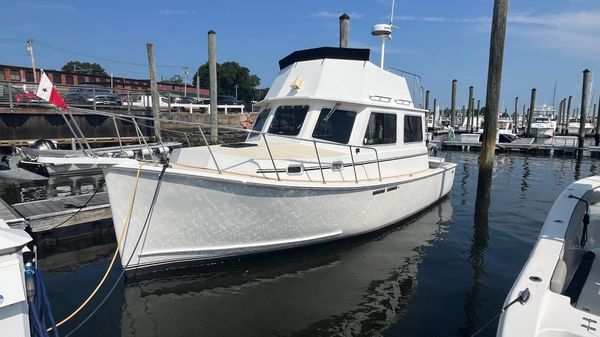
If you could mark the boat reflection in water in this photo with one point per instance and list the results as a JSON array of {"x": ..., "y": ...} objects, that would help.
[{"x": 358, "y": 287}]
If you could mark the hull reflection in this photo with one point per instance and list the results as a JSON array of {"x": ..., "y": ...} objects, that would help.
[{"x": 356, "y": 287}]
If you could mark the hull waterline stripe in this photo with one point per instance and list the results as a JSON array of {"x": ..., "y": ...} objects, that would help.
[{"x": 240, "y": 246}]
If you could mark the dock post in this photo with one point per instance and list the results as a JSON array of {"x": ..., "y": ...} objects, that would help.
[
  {"x": 560, "y": 116},
  {"x": 433, "y": 119},
  {"x": 470, "y": 111},
  {"x": 568, "y": 113},
  {"x": 531, "y": 112},
  {"x": 478, "y": 113},
  {"x": 453, "y": 106},
  {"x": 212, "y": 74},
  {"x": 585, "y": 103},
  {"x": 426, "y": 106},
  {"x": 597, "y": 136},
  {"x": 515, "y": 116},
  {"x": 492, "y": 105},
  {"x": 344, "y": 30},
  {"x": 154, "y": 89}
]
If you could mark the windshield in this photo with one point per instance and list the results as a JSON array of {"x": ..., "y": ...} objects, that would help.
[
  {"x": 288, "y": 120},
  {"x": 334, "y": 125}
]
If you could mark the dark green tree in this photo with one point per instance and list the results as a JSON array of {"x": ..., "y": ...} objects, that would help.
[
  {"x": 230, "y": 74},
  {"x": 175, "y": 79},
  {"x": 84, "y": 68}
]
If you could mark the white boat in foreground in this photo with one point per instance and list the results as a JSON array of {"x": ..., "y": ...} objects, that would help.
[
  {"x": 562, "y": 274},
  {"x": 338, "y": 150}
]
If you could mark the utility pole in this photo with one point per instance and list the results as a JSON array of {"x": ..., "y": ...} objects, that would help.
[
  {"x": 154, "y": 89},
  {"x": 30, "y": 52},
  {"x": 185, "y": 77},
  {"x": 212, "y": 75},
  {"x": 236, "y": 87}
]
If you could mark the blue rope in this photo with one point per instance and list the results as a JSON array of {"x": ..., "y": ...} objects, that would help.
[{"x": 36, "y": 309}]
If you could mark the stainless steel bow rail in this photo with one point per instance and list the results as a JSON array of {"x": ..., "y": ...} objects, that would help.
[{"x": 148, "y": 122}]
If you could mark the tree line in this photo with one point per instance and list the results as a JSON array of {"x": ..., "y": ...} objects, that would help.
[{"x": 232, "y": 78}]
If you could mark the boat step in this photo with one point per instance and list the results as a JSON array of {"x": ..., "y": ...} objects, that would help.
[{"x": 579, "y": 278}]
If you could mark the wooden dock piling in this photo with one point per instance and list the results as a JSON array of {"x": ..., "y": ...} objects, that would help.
[
  {"x": 212, "y": 74},
  {"x": 478, "y": 113},
  {"x": 567, "y": 114},
  {"x": 434, "y": 114},
  {"x": 515, "y": 115},
  {"x": 344, "y": 30},
  {"x": 585, "y": 101},
  {"x": 154, "y": 89},
  {"x": 494, "y": 80},
  {"x": 470, "y": 111},
  {"x": 597, "y": 113},
  {"x": 453, "y": 105},
  {"x": 531, "y": 112}
]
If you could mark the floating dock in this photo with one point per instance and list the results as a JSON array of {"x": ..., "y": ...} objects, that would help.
[{"x": 62, "y": 212}]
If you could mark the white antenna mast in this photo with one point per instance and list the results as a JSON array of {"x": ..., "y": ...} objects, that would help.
[{"x": 384, "y": 32}]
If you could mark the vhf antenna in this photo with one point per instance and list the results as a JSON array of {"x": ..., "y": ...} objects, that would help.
[{"x": 384, "y": 32}]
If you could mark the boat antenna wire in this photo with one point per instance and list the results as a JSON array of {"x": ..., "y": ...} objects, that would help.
[
  {"x": 110, "y": 265},
  {"x": 522, "y": 298},
  {"x": 127, "y": 220},
  {"x": 586, "y": 220},
  {"x": 80, "y": 208}
]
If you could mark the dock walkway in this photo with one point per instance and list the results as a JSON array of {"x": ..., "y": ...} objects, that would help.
[{"x": 47, "y": 214}]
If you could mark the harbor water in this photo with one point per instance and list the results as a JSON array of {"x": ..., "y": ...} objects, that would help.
[{"x": 440, "y": 273}]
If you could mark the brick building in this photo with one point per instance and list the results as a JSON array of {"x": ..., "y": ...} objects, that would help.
[{"x": 25, "y": 75}]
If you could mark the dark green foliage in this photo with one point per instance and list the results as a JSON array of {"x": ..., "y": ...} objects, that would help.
[
  {"x": 230, "y": 74},
  {"x": 84, "y": 68}
]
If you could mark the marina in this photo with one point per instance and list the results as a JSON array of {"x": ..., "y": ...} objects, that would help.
[
  {"x": 329, "y": 198},
  {"x": 432, "y": 267}
]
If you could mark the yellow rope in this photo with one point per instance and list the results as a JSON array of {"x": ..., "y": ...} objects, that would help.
[{"x": 112, "y": 261}]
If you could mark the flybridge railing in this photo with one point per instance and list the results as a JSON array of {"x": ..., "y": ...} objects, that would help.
[
  {"x": 148, "y": 121},
  {"x": 15, "y": 94},
  {"x": 414, "y": 83}
]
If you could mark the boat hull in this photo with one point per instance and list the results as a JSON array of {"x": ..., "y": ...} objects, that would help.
[
  {"x": 542, "y": 132},
  {"x": 207, "y": 216}
]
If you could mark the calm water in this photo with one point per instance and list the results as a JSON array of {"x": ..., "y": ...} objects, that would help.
[{"x": 433, "y": 275}]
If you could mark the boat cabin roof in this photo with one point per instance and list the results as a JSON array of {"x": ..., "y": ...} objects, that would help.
[{"x": 341, "y": 75}]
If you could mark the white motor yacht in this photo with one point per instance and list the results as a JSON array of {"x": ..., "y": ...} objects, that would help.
[
  {"x": 556, "y": 293},
  {"x": 542, "y": 127},
  {"x": 573, "y": 127},
  {"x": 338, "y": 149}
]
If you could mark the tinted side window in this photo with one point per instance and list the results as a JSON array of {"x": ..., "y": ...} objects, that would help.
[
  {"x": 334, "y": 125},
  {"x": 260, "y": 120},
  {"x": 413, "y": 130},
  {"x": 381, "y": 129},
  {"x": 288, "y": 120}
]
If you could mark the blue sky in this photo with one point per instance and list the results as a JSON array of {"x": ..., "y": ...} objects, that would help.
[{"x": 548, "y": 41}]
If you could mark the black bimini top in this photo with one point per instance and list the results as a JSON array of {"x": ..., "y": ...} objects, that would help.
[{"x": 325, "y": 53}]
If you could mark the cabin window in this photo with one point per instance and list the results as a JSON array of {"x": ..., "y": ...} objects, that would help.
[
  {"x": 288, "y": 120},
  {"x": 260, "y": 120},
  {"x": 29, "y": 76},
  {"x": 381, "y": 129},
  {"x": 413, "y": 129},
  {"x": 334, "y": 125}
]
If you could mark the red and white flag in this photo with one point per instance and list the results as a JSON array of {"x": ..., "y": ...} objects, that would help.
[{"x": 48, "y": 92}]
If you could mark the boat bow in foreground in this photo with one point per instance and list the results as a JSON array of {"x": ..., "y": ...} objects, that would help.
[{"x": 562, "y": 275}]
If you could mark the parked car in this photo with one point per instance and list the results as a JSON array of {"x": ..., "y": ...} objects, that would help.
[
  {"x": 84, "y": 95},
  {"x": 228, "y": 100}
]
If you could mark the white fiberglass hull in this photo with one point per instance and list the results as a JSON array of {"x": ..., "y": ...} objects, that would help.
[
  {"x": 561, "y": 279},
  {"x": 542, "y": 132},
  {"x": 573, "y": 129},
  {"x": 207, "y": 216}
]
